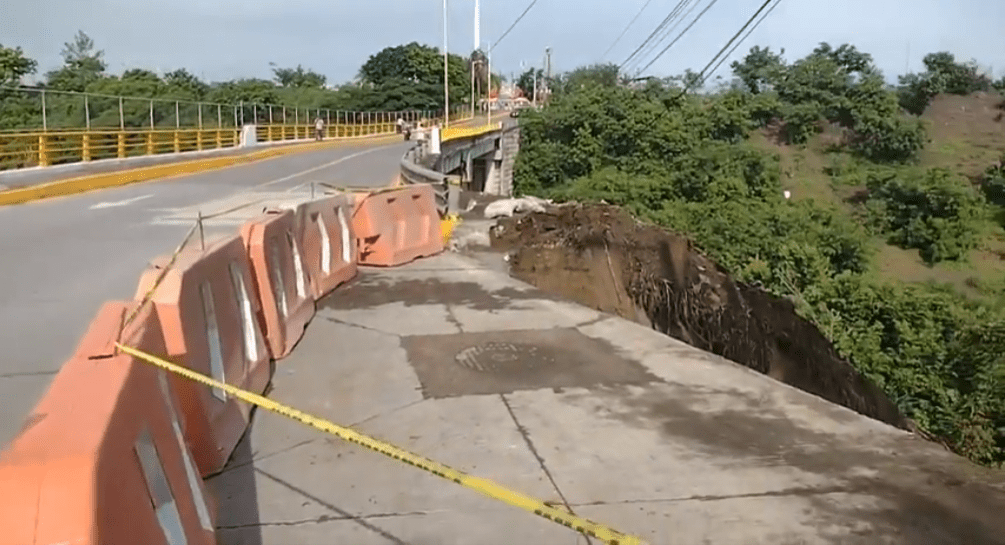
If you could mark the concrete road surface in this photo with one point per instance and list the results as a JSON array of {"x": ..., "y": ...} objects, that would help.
[
  {"x": 60, "y": 259},
  {"x": 449, "y": 358}
]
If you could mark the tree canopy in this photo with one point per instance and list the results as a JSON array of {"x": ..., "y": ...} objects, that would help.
[{"x": 398, "y": 78}]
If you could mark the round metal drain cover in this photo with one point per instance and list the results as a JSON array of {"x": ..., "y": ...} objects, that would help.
[{"x": 501, "y": 357}]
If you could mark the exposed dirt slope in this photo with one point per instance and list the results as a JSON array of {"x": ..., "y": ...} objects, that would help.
[{"x": 601, "y": 257}]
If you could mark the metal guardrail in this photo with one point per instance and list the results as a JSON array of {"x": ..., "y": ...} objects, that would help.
[
  {"x": 447, "y": 193},
  {"x": 454, "y": 133},
  {"x": 413, "y": 173},
  {"x": 55, "y": 147}
]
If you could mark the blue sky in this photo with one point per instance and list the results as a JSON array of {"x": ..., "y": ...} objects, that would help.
[{"x": 223, "y": 39}]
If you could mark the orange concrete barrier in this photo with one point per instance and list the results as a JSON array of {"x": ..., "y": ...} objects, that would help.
[
  {"x": 395, "y": 227},
  {"x": 281, "y": 282},
  {"x": 208, "y": 309},
  {"x": 101, "y": 460},
  {"x": 328, "y": 242}
]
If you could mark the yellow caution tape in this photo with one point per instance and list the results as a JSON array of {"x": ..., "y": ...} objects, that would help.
[{"x": 484, "y": 486}]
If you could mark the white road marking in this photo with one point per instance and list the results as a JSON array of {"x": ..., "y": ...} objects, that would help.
[
  {"x": 247, "y": 203},
  {"x": 320, "y": 167},
  {"x": 124, "y": 202}
]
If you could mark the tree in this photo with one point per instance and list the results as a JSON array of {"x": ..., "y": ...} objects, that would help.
[
  {"x": 412, "y": 62},
  {"x": 82, "y": 64},
  {"x": 299, "y": 77},
  {"x": 942, "y": 75},
  {"x": 602, "y": 75},
  {"x": 183, "y": 84},
  {"x": 480, "y": 63},
  {"x": 419, "y": 65},
  {"x": 14, "y": 65},
  {"x": 761, "y": 69},
  {"x": 528, "y": 79}
]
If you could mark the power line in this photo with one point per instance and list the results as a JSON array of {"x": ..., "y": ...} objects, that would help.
[
  {"x": 514, "y": 24},
  {"x": 666, "y": 20},
  {"x": 679, "y": 36},
  {"x": 662, "y": 39},
  {"x": 745, "y": 36},
  {"x": 623, "y": 32}
]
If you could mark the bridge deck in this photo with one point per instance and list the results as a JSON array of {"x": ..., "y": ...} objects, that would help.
[{"x": 451, "y": 359}]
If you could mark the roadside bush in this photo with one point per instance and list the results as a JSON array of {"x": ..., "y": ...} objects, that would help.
[
  {"x": 802, "y": 121},
  {"x": 940, "y": 358},
  {"x": 935, "y": 212},
  {"x": 888, "y": 139},
  {"x": 993, "y": 183}
]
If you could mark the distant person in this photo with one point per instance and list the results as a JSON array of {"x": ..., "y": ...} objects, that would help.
[
  {"x": 401, "y": 125},
  {"x": 319, "y": 129}
]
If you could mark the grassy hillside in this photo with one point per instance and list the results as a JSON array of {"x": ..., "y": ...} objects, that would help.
[
  {"x": 967, "y": 134},
  {"x": 892, "y": 242}
]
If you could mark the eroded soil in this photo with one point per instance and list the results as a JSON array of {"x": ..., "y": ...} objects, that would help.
[{"x": 601, "y": 257}]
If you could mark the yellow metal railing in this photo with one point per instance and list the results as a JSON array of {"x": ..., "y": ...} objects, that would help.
[
  {"x": 451, "y": 133},
  {"x": 55, "y": 147},
  {"x": 30, "y": 149}
]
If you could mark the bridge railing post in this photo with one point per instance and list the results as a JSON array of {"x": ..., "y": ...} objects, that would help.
[{"x": 43, "y": 150}]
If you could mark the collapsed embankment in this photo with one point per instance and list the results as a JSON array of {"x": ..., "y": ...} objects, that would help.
[{"x": 599, "y": 256}]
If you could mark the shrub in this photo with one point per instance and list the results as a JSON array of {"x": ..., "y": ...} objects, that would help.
[
  {"x": 888, "y": 139},
  {"x": 935, "y": 212},
  {"x": 993, "y": 183}
]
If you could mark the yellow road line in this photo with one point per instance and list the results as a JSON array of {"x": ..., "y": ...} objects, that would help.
[
  {"x": 484, "y": 486},
  {"x": 104, "y": 180}
]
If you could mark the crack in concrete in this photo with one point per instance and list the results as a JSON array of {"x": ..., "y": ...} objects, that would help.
[
  {"x": 452, "y": 318},
  {"x": 343, "y": 514},
  {"x": 324, "y": 518},
  {"x": 255, "y": 458},
  {"x": 400, "y": 272},
  {"x": 596, "y": 320},
  {"x": 540, "y": 460},
  {"x": 21, "y": 374},
  {"x": 360, "y": 326},
  {"x": 797, "y": 491}
]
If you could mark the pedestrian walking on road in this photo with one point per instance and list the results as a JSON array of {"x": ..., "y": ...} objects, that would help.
[{"x": 319, "y": 129}]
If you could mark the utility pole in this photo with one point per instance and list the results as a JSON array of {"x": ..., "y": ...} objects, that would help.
[
  {"x": 533, "y": 96},
  {"x": 547, "y": 68},
  {"x": 446, "y": 78},
  {"x": 490, "y": 83},
  {"x": 547, "y": 64}
]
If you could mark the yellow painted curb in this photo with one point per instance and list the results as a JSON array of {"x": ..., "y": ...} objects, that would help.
[
  {"x": 447, "y": 226},
  {"x": 104, "y": 180}
]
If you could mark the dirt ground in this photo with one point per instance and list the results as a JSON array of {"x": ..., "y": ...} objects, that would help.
[
  {"x": 601, "y": 257},
  {"x": 967, "y": 132}
]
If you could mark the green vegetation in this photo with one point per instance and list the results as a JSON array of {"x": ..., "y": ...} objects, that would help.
[
  {"x": 867, "y": 194},
  {"x": 406, "y": 77}
]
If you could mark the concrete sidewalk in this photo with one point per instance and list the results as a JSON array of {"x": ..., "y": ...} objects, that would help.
[{"x": 451, "y": 359}]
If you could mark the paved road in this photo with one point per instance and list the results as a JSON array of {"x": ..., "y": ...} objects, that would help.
[{"x": 63, "y": 257}]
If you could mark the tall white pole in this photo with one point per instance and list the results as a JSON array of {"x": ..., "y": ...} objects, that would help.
[
  {"x": 478, "y": 24},
  {"x": 478, "y": 43},
  {"x": 446, "y": 78},
  {"x": 490, "y": 84}
]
